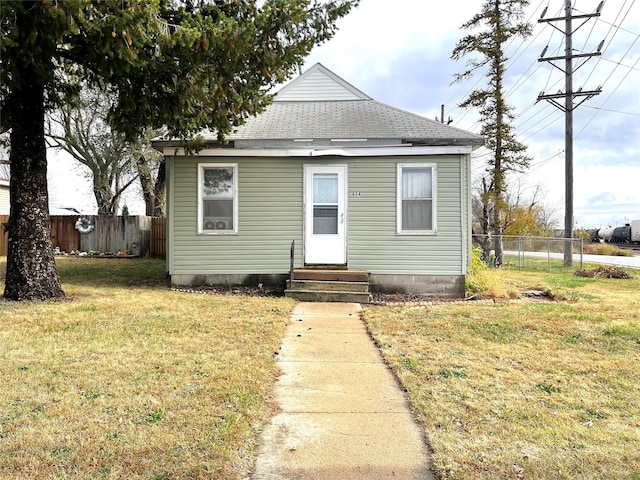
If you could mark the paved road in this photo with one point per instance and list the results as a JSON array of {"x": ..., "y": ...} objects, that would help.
[{"x": 631, "y": 262}]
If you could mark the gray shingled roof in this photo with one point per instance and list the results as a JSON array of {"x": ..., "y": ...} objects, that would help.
[
  {"x": 350, "y": 119},
  {"x": 319, "y": 105}
]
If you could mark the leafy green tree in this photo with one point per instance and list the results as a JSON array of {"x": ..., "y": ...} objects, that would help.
[
  {"x": 498, "y": 22},
  {"x": 186, "y": 65}
]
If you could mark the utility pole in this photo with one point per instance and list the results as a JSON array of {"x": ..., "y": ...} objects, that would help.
[{"x": 569, "y": 105}]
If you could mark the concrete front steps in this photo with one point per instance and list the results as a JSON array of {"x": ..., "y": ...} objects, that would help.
[{"x": 315, "y": 285}]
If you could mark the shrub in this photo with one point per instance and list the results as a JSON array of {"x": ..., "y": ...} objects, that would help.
[
  {"x": 477, "y": 264},
  {"x": 483, "y": 282},
  {"x": 605, "y": 249}
]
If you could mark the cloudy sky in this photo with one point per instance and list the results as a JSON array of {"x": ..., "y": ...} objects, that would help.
[{"x": 399, "y": 53}]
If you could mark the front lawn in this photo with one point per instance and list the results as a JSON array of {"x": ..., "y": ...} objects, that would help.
[
  {"x": 525, "y": 389},
  {"x": 125, "y": 378}
]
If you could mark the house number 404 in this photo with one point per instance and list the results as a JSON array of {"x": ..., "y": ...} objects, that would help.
[{"x": 355, "y": 194}]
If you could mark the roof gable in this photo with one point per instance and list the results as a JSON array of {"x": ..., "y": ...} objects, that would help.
[
  {"x": 318, "y": 84},
  {"x": 320, "y": 109}
]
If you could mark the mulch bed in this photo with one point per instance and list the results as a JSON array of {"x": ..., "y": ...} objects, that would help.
[
  {"x": 376, "y": 298},
  {"x": 241, "y": 291}
]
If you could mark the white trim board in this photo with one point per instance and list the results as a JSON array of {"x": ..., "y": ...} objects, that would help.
[{"x": 319, "y": 152}]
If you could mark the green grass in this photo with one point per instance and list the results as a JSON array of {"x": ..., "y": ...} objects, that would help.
[
  {"x": 521, "y": 389},
  {"x": 537, "y": 263},
  {"x": 125, "y": 378}
]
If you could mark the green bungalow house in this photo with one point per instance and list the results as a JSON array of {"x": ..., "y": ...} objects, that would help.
[{"x": 326, "y": 184}]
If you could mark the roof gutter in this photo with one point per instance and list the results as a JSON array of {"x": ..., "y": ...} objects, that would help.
[{"x": 172, "y": 150}]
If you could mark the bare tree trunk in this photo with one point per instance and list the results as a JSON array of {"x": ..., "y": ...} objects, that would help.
[
  {"x": 160, "y": 191},
  {"x": 31, "y": 266},
  {"x": 497, "y": 240},
  {"x": 106, "y": 200},
  {"x": 153, "y": 191},
  {"x": 485, "y": 198},
  {"x": 146, "y": 182}
]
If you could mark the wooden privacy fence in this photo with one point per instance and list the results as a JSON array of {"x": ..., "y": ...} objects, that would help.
[
  {"x": 64, "y": 234},
  {"x": 158, "y": 237},
  {"x": 137, "y": 235},
  {"x": 130, "y": 234}
]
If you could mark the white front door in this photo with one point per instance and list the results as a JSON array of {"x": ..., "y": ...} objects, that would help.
[{"x": 325, "y": 222}]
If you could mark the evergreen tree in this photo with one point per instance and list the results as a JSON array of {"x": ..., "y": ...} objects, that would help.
[
  {"x": 186, "y": 65},
  {"x": 498, "y": 22}
]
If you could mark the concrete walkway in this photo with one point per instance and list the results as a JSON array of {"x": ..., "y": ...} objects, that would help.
[{"x": 343, "y": 415}]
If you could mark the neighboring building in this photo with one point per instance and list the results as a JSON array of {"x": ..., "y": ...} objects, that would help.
[
  {"x": 357, "y": 185},
  {"x": 4, "y": 197}
]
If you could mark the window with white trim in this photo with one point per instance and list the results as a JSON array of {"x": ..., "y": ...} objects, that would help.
[
  {"x": 416, "y": 200},
  {"x": 217, "y": 198}
]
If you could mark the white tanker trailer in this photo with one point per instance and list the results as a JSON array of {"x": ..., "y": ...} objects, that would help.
[{"x": 606, "y": 233}]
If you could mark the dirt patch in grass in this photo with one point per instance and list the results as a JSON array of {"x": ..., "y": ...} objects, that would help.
[{"x": 409, "y": 298}]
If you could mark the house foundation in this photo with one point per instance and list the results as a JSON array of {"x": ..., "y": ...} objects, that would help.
[{"x": 431, "y": 285}]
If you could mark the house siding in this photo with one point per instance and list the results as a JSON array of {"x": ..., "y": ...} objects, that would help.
[
  {"x": 269, "y": 219},
  {"x": 270, "y": 211},
  {"x": 318, "y": 85},
  {"x": 4, "y": 200},
  {"x": 374, "y": 244}
]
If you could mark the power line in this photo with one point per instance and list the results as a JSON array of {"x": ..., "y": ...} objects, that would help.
[
  {"x": 569, "y": 97},
  {"x": 617, "y": 29},
  {"x": 609, "y": 97},
  {"x": 529, "y": 116},
  {"x": 620, "y": 64},
  {"x": 633, "y": 114},
  {"x": 553, "y": 120},
  {"x": 542, "y": 163}
]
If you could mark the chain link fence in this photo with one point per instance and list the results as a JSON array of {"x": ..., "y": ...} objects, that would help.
[{"x": 546, "y": 253}]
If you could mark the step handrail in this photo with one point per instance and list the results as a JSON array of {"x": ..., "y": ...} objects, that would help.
[{"x": 291, "y": 256}]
